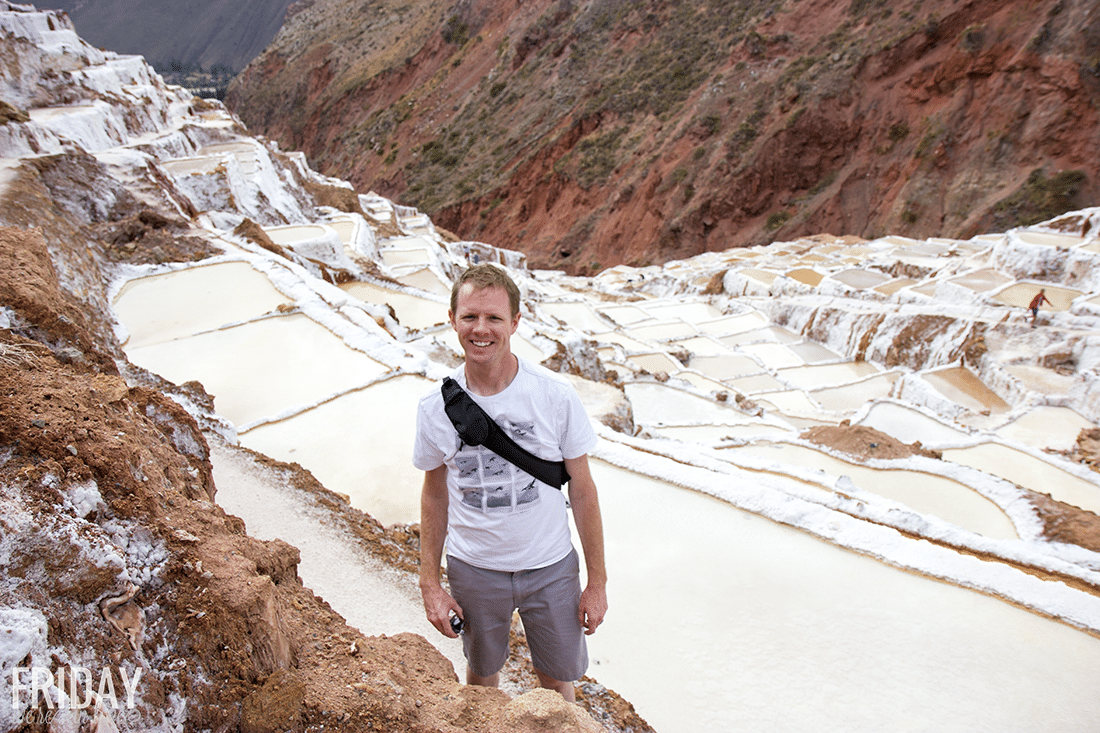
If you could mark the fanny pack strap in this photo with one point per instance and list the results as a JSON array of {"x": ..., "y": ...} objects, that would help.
[{"x": 475, "y": 427}]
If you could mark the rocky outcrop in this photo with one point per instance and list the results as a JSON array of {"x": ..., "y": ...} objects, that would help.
[{"x": 588, "y": 135}]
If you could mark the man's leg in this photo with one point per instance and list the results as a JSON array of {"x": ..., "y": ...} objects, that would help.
[
  {"x": 549, "y": 601},
  {"x": 565, "y": 688},
  {"x": 473, "y": 679},
  {"x": 486, "y": 600}
]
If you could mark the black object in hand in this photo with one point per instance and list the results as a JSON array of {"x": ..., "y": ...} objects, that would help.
[{"x": 456, "y": 624}]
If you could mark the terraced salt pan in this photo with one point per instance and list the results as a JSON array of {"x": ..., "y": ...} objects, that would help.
[
  {"x": 774, "y": 334},
  {"x": 1040, "y": 379},
  {"x": 245, "y": 153},
  {"x": 763, "y": 276},
  {"x": 345, "y": 229},
  {"x": 812, "y": 352},
  {"x": 923, "y": 492},
  {"x": 662, "y": 331},
  {"x": 656, "y": 362},
  {"x": 775, "y": 356},
  {"x": 358, "y": 444},
  {"x": 909, "y": 425},
  {"x": 725, "y": 367},
  {"x": 789, "y": 402},
  {"x": 1046, "y": 426},
  {"x": 851, "y": 643},
  {"x": 807, "y": 377},
  {"x": 806, "y": 276},
  {"x": 694, "y": 313},
  {"x": 894, "y": 286},
  {"x": 190, "y": 166},
  {"x": 160, "y": 308},
  {"x": 861, "y": 279},
  {"x": 1020, "y": 295},
  {"x": 261, "y": 368},
  {"x": 373, "y": 597},
  {"x": 701, "y": 346},
  {"x": 851, "y": 397},
  {"x": 289, "y": 235},
  {"x": 399, "y": 257},
  {"x": 733, "y": 324},
  {"x": 1049, "y": 238},
  {"x": 412, "y": 311},
  {"x": 427, "y": 281},
  {"x": 959, "y": 385},
  {"x": 628, "y": 343},
  {"x": 576, "y": 315},
  {"x": 755, "y": 383},
  {"x": 1030, "y": 472},
  {"x": 624, "y": 315},
  {"x": 656, "y": 403},
  {"x": 981, "y": 281}
]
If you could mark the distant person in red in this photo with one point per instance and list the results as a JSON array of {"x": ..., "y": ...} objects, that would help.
[{"x": 1038, "y": 300}]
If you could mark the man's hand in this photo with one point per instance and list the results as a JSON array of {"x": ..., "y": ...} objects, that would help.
[
  {"x": 593, "y": 607},
  {"x": 438, "y": 605},
  {"x": 586, "y": 513}
]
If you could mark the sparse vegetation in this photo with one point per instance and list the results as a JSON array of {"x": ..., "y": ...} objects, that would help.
[
  {"x": 456, "y": 31},
  {"x": 1040, "y": 198},
  {"x": 598, "y": 157},
  {"x": 778, "y": 219}
]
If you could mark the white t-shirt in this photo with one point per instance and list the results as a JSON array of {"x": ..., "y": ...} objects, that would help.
[{"x": 499, "y": 516}]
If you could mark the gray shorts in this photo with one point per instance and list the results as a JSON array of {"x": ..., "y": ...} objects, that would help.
[{"x": 548, "y": 600}]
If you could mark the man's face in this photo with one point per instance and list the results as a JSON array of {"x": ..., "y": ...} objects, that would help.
[{"x": 484, "y": 323}]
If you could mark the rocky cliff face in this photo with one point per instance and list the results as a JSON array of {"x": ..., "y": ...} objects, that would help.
[{"x": 589, "y": 134}]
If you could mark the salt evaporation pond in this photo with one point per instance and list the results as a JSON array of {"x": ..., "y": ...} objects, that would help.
[
  {"x": 355, "y": 445},
  {"x": 924, "y": 492},
  {"x": 412, "y": 311},
  {"x": 1030, "y": 472},
  {"x": 187, "y": 301},
  {"x": 1047, "y": 426},
  {"x": 263, "y": 367}
]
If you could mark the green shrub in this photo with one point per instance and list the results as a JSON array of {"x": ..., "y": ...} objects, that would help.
[{"x": 778, "y": 219}]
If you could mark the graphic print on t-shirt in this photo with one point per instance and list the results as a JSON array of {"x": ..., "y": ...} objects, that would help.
[{"x": 492, "y": 484}]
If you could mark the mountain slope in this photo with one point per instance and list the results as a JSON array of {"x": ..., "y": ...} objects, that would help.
[
  {"x": 204, "y": 33},
  {"x": 594, "y": 133}
]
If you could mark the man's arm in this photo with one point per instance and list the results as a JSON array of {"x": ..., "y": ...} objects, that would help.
[
  {"x": 438, "y": 603},
  {"x": 586, "y": 513}
]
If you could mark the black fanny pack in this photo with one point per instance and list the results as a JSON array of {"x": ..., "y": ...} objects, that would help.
[{"x": 475, "y": 427}]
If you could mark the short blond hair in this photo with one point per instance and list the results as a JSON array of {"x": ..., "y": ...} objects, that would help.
[{"x": 480, "y": 277}]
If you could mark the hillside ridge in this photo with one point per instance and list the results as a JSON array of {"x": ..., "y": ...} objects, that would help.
[{"x": 590, "y": 134}]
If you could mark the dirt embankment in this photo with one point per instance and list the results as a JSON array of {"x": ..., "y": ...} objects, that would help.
[{"x": 113, "y": 535}]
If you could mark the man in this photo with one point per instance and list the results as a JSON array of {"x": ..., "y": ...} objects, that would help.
[
  {"x": 506, "y": 533},
  {"x": 1038, "y": 300}
]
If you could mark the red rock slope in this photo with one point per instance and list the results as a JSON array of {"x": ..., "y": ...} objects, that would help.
[{"x": 594, "y": 133}]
